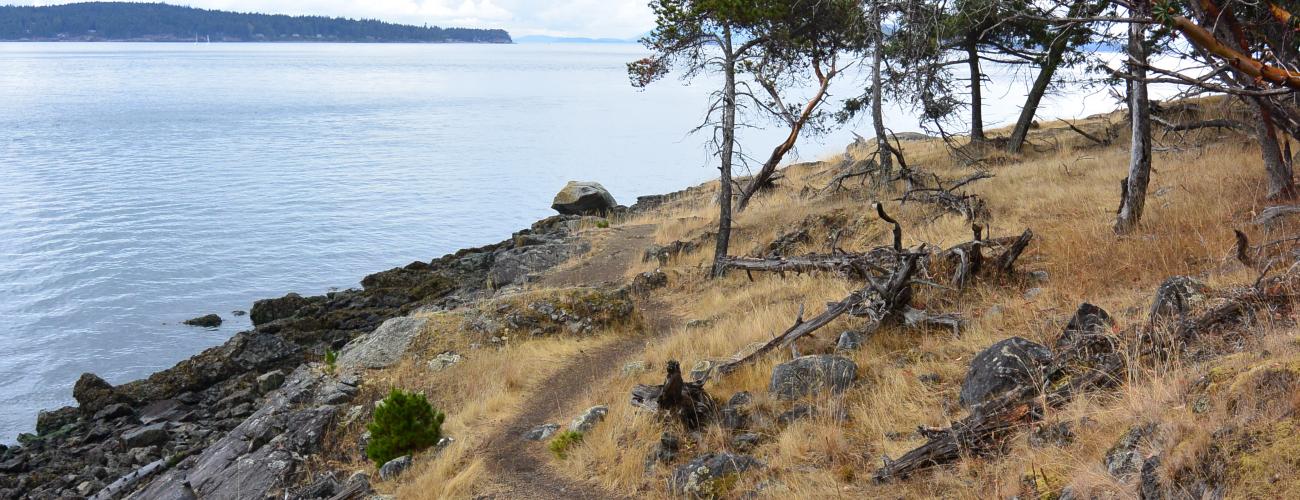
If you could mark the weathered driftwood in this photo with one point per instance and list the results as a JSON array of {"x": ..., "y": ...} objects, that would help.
[
  {"x": 850, "y": 265},
  {"x": 128, "y": 482},
  {"x": 1270, "y": 215},
  {"x": 686, "y": 401}
]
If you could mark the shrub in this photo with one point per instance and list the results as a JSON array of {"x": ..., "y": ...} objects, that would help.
[
  {"x": 404, "y": 423},
  {"x": 603, "y": 224},
  {"x": 562, "y": 442},
  {"x": 331, "y": 356}
]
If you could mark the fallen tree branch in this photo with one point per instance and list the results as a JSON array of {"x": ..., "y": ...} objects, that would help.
[
  {"x": 799, "y": 329},
  {"x": 1214, "y": 123},
  {"x": 1077, "y": 130},
  {"x": 847, "y": 264},
  {"x": 1008, "y": 258},
  {"x": 1270, "y": 215}
]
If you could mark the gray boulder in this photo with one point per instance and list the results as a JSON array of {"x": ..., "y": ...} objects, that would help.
[
  {"x": 589, "y": 418},
  {"x": 206, "y": 321},
  {"x": 1177, "y": 296},
  {"x": 541, "y": 432},
  {"x": 695, "y": 478},
  {"x": 382, "y": 347},
  {"x": 393, "y": 468},
  {"x": 811, "y": 374},
  {"x": 1008, "y": 364},
  {"x": 849, "y": 341},
  {"x": 148, "y": 435},
  {"x": 1125, "y": 457},
  {"x": 582, "y": 198},
  {"x": 270, "y": 381},
  {"x": 445, "y": 360},
  {"x": 113, "y": 411}
]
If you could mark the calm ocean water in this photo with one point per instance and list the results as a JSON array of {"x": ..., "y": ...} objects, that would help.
[{"x": 144, "y": 184}]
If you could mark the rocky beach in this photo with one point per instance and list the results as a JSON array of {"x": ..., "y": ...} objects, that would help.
[{"x": 237, "y": 420}]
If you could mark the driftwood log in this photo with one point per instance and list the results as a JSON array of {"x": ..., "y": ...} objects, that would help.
[{"x": 1270, "y": 215}]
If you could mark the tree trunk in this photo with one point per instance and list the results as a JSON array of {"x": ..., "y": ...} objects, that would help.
[
  {"x": 976, "y": 79},
  {"x": 1036, "y": 92},
  {"x": 877, "y": 100},
  {"x": 728, "y": 141},
  {"x": 764, "y": 174},
  {"x": 1281, "y": 184},
  {"x": 1139, "y": 168}
]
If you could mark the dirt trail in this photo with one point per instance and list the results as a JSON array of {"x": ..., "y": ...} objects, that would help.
[{"x": 518, "y": 467}]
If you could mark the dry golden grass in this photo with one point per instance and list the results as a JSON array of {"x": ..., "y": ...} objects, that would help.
[{"x": 1066, "y": 194}]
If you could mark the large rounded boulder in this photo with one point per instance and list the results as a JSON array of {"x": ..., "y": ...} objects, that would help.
[
  {"x": 583, "y": 198},
  {"x": 1008, "y": 364},
  {"x": 812, "y": 374}
]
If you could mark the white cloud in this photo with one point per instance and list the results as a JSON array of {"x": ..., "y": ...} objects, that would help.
[{"x": 592, "y": 18}]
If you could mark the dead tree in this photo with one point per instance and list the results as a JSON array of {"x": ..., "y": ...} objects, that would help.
[
  {"x": 1133, "y": 192},
  {"x": 947, "y": 198},
  {"x": 969, "y": 259},
  {"x": 685, "y": 401}
]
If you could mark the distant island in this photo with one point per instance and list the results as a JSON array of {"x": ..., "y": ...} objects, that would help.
[
  {"x": 156, "y": 22},
  {"x": 568, "y": 39}
]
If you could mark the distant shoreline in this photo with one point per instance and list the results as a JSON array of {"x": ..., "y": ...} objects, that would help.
[{"x": 246, "y": 42}]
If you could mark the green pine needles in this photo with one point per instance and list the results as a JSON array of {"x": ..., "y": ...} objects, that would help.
[
  {"x": 404, "y": 423},
  {"x": 563, "y": 442},
  {"x": 331, "y": 357}
]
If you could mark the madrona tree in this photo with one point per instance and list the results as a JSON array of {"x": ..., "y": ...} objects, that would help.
[{"x": 738, "y": 39}]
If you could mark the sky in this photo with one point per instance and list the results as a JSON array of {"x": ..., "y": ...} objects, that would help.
[{"x": 583, "y": 18}]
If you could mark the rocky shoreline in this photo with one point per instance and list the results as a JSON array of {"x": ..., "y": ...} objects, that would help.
[{"x": 237, "y": 420}]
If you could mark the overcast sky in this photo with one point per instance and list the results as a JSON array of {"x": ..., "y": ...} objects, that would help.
[{"x": 590, "y": 18}]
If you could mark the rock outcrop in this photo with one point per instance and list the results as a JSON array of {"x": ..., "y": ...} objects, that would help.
[
  {"x": 259, "y": 457},
  {"x": 227, "y": 423},
  {"x": 384, "y": 346},
  {"x": 205, "y": 321}
]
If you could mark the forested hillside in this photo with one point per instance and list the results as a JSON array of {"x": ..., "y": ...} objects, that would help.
[{"x": 101, "y": 21}]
